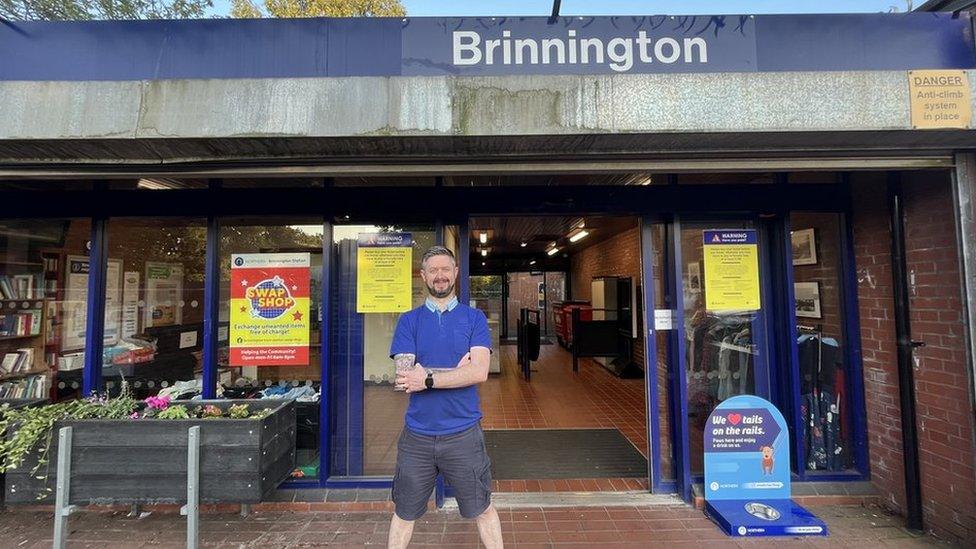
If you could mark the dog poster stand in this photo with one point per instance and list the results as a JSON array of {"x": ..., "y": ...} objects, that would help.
[{"x": 747, "y": 472}]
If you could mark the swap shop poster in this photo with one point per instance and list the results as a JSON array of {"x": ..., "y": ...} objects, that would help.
[{"x": 269, "y": 309}]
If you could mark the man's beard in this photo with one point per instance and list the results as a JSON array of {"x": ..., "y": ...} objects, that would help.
[{"x": 440, "y": 295}]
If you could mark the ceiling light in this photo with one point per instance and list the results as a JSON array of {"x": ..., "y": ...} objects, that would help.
[
  {"x": 580, "y": 235},
  {"x": 483, "y": 237},
  {"x": 482, "y": 263},
  {"x": 532, "y": 262},
  {"x": 552, "y": 251},
  {"x": 484, "y": 252},
  {"x": 524, "y": 244}
]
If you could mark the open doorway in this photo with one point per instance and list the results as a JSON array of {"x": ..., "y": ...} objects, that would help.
[{"x": 553, "y": 287}]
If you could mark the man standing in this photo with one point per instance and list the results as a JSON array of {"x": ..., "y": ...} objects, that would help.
[{"x": 451, "y": 346}]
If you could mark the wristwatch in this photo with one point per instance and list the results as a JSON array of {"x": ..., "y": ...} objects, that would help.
[{"x": 429, "y": 382}]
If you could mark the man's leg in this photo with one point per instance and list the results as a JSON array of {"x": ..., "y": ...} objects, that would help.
[
  {"x": 490, "y": 528},
  {"x": 400, "y": 533},
  {"x": 412, "y": 485},
  {"x": 463, "y": 460}
]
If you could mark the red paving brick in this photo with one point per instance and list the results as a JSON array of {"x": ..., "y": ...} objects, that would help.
[{"x": 665, "y": 526}]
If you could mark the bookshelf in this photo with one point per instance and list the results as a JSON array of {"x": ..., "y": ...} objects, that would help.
[{"x": 24, "y": 326}]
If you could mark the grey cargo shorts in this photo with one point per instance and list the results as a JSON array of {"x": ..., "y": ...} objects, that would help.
[{"x": 460, "y": 457}]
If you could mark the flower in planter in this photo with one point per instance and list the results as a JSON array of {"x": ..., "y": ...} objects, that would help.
[
  {"x": 135, "y": 415},
  {"x": 239, "y": 411},
  {"x": 211, "y": 412},
  {"x": 158, "y": 403}
]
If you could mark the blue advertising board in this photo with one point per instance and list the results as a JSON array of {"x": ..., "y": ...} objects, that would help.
[
  {"x": 747, "y": 472},
  {"x": 482, "y": 46}
]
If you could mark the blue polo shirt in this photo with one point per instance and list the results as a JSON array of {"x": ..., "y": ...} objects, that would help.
[{"x": 440, "y": 339}]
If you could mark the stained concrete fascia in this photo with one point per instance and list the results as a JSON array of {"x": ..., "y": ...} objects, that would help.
[{"x": 461, "y": 106}]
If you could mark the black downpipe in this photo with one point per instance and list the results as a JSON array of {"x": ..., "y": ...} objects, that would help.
[{"x": 906, "y": 377}]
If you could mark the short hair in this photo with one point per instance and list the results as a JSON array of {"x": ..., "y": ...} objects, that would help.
[{"x": 435, "y": 251}]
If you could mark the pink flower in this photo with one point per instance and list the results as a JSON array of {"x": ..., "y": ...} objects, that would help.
[
  {"x": 135, "y": 415},
  {"x": 158, "y": 403}
]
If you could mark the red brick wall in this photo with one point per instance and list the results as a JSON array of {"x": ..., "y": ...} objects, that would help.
[
  {"x": 942, "y": 385},
  {"x": 616, "y": 256}
]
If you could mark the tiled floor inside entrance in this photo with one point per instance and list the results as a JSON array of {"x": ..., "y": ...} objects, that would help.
[{"x": 555, "y": 398}]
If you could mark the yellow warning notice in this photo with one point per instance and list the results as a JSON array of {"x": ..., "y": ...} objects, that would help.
[
  {"x": 940, "y": 99},
  {"x": 731, "y": 270},
  {"x": 383, "y": 277}
]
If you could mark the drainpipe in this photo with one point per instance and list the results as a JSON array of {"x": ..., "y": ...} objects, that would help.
[{"x": 906, "y": 347}]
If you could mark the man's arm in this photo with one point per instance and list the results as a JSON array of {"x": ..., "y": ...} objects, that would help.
[
  {"x": 472, "y": 373},
  {"x": 471, "y": 370}
]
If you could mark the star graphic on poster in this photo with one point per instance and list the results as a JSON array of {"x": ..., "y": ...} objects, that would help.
[
  {"x": 294, "y": 288},
  {"x": 243, "y": 283},
  {"x": 297, "y": 315},
  {"x": 243, "y": 309}
]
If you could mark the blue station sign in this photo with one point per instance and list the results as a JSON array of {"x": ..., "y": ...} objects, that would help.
[{"x": 482, "y": 46}]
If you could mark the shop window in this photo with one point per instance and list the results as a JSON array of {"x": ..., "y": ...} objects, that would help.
[
  {"x": 369, "y": 411},
  {"x": 825, "y": 376},
  {"x": 43, "y": 300},
  {"x": 727, "y": 178},
  {"x": 154, "y": 306},
  {"x": 666, "y": 456},
  {"x": 269, "y": 329}
]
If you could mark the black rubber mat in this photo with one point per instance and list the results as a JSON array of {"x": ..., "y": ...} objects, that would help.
[{"x": 562, "y": 453}]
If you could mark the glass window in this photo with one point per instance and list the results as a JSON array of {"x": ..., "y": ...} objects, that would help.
[
  {"x": 825, "y": 400},
  {"x": 661, "y": 336},
  {"x": 43, "y": 306},
  {"x": 262, "y": 262},
  {"x": 369, "y": 416},
  {"x": 722, "y": 350},
  {"x": 154, "y": 306}
]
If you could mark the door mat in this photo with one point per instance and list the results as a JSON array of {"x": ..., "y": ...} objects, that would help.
[{"x": 536, "y": 454}]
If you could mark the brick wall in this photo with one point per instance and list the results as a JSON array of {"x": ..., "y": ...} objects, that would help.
[{"x": 942, "y": 384}]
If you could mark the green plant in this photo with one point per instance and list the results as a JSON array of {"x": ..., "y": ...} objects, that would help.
[
  {"x": 174, "y": 412},
  {"x": 239, "y": 411},
  {"x": 32, "y": 429}
]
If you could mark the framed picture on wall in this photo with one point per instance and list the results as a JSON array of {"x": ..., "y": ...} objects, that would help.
[
  {"x": 807, "y": 299},
  {"x": 804, "y": 247}
]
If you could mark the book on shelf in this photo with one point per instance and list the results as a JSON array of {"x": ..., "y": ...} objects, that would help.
[
  {"x": 25, "y": 286},
  {"x": 21, "y": 323},
  {"x": 34, "y": 386},
  {"x": 21, "y": 360}
]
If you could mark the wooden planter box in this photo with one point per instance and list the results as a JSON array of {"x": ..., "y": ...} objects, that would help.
[{"x": 144, "y": 460}]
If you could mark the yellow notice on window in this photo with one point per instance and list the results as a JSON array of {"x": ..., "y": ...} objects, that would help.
[
  {"x": 940, "y": 99},
  {"x": 731, "y": 270},
  {"x": 383, "y": 277}
]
